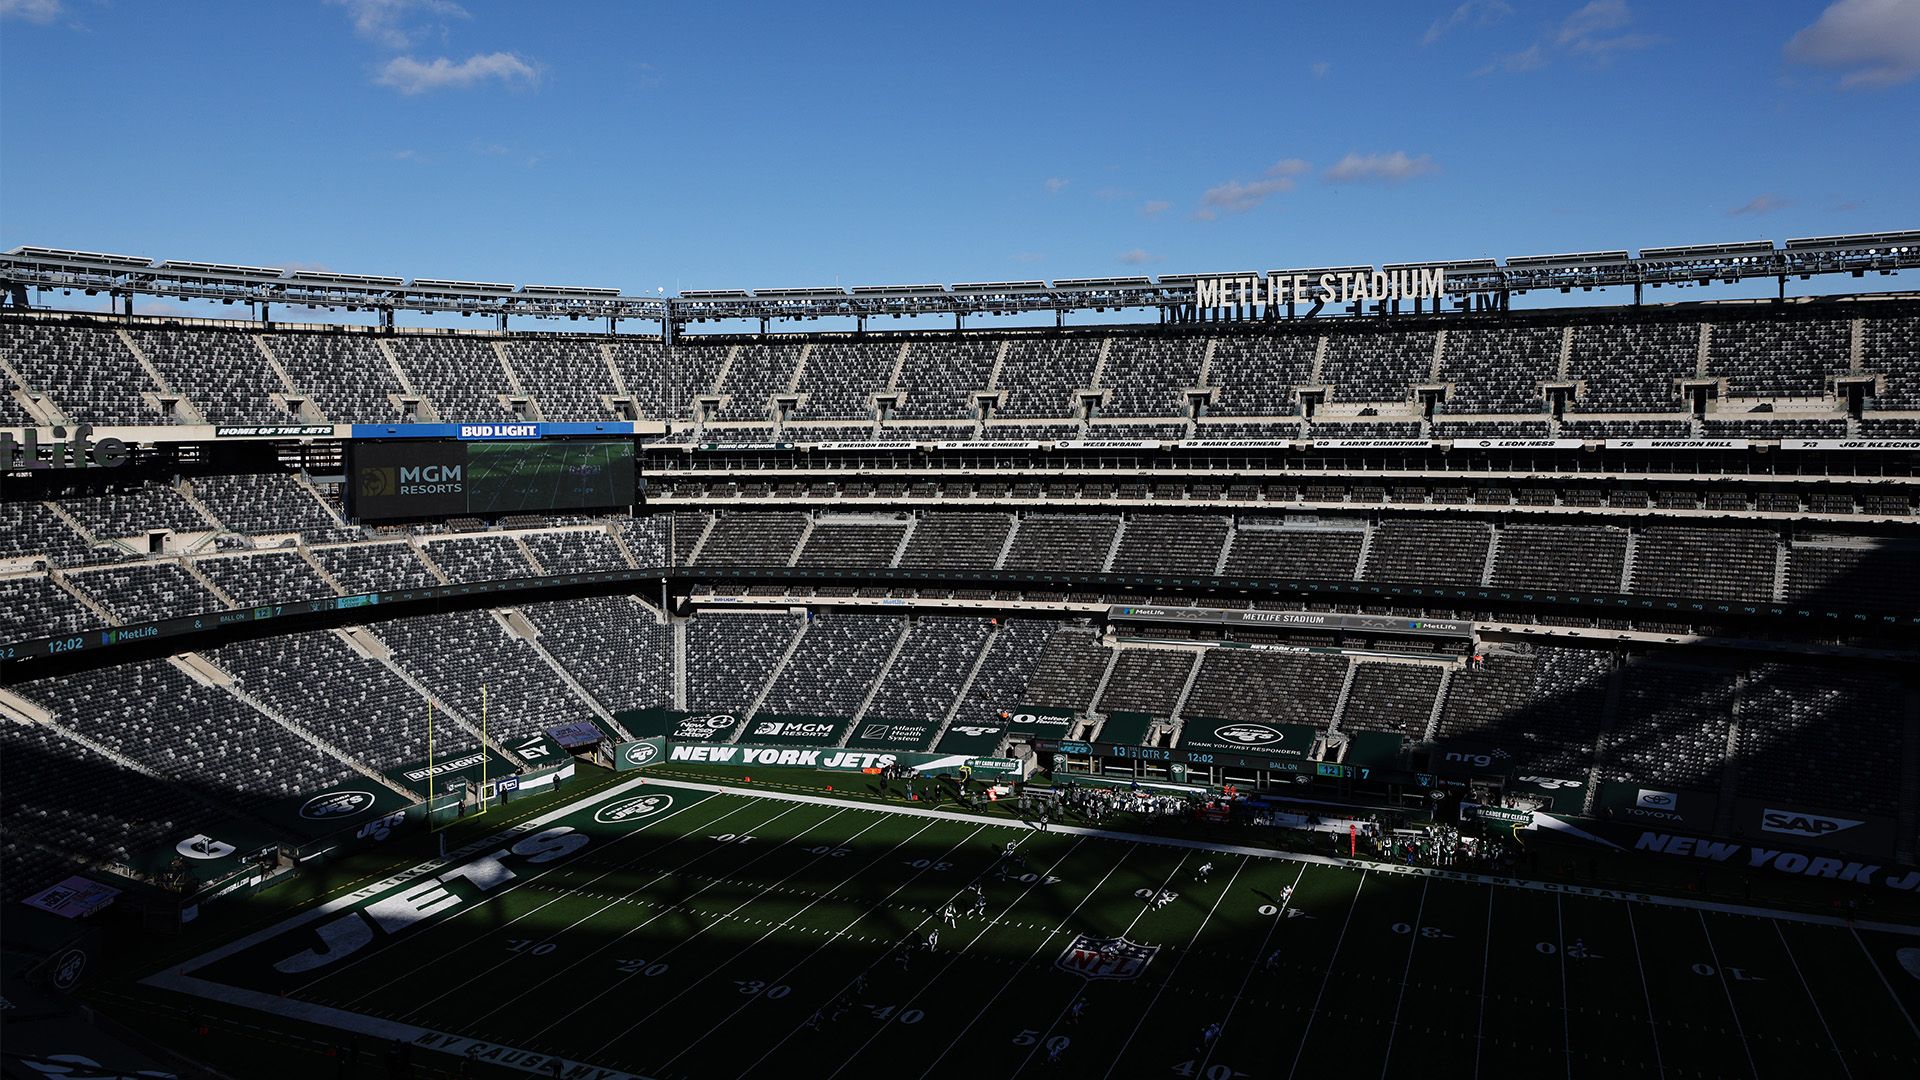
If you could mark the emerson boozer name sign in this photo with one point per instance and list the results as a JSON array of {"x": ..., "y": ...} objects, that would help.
[{"x": 1335, "y": 287}]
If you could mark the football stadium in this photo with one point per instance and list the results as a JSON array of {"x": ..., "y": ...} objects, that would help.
[{"x": 1414, "y": 665}]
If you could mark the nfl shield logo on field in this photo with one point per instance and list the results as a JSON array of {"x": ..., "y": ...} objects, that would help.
[{"x": 1105, "y": 958}]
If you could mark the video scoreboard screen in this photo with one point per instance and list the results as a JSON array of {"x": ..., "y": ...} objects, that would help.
[{"x": 421, "y": 478}]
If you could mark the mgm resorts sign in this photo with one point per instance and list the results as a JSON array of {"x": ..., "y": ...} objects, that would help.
[{"x": 1331, "y": 287}]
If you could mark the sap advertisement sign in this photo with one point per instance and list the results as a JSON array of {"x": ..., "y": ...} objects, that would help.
[{"x": 1769, "y": 821}]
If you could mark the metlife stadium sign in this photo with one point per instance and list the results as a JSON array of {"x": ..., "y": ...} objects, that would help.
[{"x": 1331, "y": 287}]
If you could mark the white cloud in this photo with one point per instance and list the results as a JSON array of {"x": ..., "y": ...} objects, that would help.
[
  {"x": 1389, "y": 168},
  {"x": 1155, "y": 207},
  {"x": 1138, "y": 257},
  {"x": 411, "y": 76},
  {"x": 1595, "y": 17},
  {"x": 1582, "y": 31},
  {"x": 394, "y": 24},
  {"x": 1057, "y": 184},
  {"x": 33, "y": 11},
  {"x": 1530, "y": 58},
  {"x": 1484, "y": 12},
  {"x": 1320, "y": 68},
  {"x": 1235, "y": 197},
  {"x": 1875, "y": 43},
  {"x": 1028, "y": 256},
  {"x": 1759, "y": 204}
]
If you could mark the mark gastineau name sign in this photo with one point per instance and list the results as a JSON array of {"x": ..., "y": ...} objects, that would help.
[{"x": 1279, "y": 287}]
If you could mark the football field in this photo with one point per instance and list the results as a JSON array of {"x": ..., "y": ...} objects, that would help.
[{"x": 664, "y": 929}]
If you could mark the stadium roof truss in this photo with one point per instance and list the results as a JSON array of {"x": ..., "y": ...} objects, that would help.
[{"x": 25, "y": 268}]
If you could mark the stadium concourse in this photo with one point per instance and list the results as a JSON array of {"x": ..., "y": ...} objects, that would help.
[{"x": 1381, "y": 691}]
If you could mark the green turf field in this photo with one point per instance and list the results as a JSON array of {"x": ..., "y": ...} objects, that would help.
[{"x": 664, "y": 929}]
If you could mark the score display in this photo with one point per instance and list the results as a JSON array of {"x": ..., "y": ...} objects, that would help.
[{"x": 418, "y": 478}]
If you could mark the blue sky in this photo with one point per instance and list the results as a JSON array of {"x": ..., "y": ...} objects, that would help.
[{"x": 696, "y": 146}]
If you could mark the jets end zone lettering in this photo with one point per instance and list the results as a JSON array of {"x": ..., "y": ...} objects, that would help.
[{"x": 409, "y": 906}]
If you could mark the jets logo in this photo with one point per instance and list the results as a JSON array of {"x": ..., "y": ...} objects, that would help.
[
  {"x": 975, "y": 731},
  {"x": 202, "y": 846},
  {"x": 1248, "y": 734},
  {"x": 1550, "y": 783},
  {"x": 1093, "y": 957},
  {"x": 336, "y": 804},
  {"x": 382, "y": 827},
  {"x": 67, "y": 969},
  {"x": 642, "y": 753},
  {"x": 619, "y": 813}
]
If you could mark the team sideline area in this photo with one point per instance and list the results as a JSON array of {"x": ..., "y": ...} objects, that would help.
[{"x": 665, "y": 928}]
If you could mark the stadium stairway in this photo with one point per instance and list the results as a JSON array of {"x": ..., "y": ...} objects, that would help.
[
  {"x": 880, "y": 677},
  {"x": 680, "y": 664},
  {"x": 232, "y": 686},
  {"x": 185, "y": 410},
  {"x": 773, "y": 676},
  {"x": 519, "y": 625},
  {"x": 966, "y": 685},
  {"x": 1730, "y": 759},
  {"x": 1186, "y": 686},
  {"x": 451, "y": 713}
]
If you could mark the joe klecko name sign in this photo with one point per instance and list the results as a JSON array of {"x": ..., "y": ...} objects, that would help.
[{"x": 1337, "y": 287}]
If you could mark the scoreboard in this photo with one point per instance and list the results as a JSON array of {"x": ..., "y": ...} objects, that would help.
[{"x": 426, "y": 478}]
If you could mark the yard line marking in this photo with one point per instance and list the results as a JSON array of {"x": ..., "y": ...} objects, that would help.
[
  {"x": 1486, "y": 963},
  {"x": 676, "y": 946},
  {"x": 645, "y": 827},
  {"x": 1393, "y": 1028},
  {"x": 1566, "y": 1007},
  {"x": 628, "y": 897},
  {"x": 1144, "y": 908},
  {"x": 1652, "y": 1026},
  {"x": 1728, "y": 990},
  {"x": 1323, "y": 860},
  {"x": 881, "y": 903},
  {"x": 564, "y": 894},
  {"x": 1177, "y": 960},
  {"x": 1818, "y": 1015},
  {"x": 1331, "y": 964},
  {"x": 1901, "y": 1005},
  {"x": 1017, "y": 970},
  {"x": 912, "y": 934},
  {"x": 1234, "y": 1002}
]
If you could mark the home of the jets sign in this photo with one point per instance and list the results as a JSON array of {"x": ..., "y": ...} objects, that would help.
[{"x": 1346, "y": 287}]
